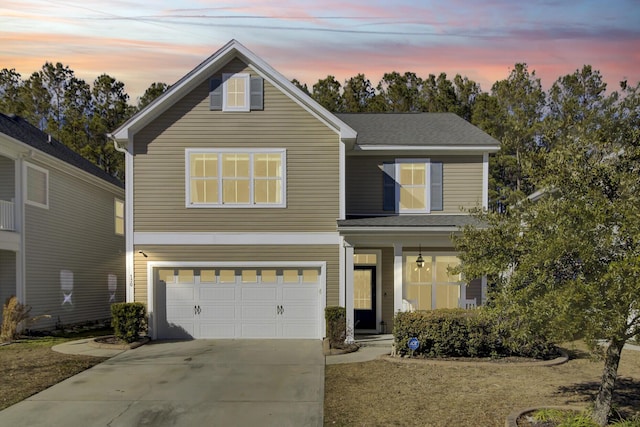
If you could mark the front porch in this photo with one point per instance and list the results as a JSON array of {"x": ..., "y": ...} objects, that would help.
[{"x": 383, "y": 277}]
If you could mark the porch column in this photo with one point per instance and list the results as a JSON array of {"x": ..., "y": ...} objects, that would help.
[
  {"x": 348, "y": 292},
  {"x": 397, "y": 277}
]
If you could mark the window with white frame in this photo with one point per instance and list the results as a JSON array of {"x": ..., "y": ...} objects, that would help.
[
  {"x": 412, "y": 186},
  {"x": 236, "y": 178},
  {"x": 37, "y": 188},
  {"x": 236, "y": 92},
  {"x": 432, "y": 286},
  {"x": 119, "y": 217}
]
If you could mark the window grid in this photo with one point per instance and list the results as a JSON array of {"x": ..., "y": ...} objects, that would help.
[{"x": 236, "y": 178}]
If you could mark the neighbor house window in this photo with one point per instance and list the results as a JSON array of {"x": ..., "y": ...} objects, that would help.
[
  {"x": 119, "y": 217},
  {"x": 236, "y": 92},
  {"x": 37, "y": 188},
  {"x": 235, "y": 178},
  {"x": 412, "y": 186}
]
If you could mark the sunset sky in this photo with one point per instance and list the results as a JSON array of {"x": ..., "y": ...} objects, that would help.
[{"x": 140, "y": 42}]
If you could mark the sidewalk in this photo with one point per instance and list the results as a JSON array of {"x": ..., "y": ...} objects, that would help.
[{"x": 371, "y": 348}]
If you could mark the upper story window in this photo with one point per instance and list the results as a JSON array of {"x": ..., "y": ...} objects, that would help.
[
  {"x": 236, "y": 92},
  {"x": 236, "y": 178},
  {"x": 412, "y": 186},
  {"x": 37, "y": 188},
  {"x": 119, "y": 217}
]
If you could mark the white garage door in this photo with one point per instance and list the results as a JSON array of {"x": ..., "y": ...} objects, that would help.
[{"x": 242, "y": 302}]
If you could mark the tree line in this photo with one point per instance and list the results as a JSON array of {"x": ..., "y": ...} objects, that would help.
[{"x": 516, "y": 111}]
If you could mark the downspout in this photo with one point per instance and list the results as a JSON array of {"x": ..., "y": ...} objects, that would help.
[{"x": 128, "y": 219}]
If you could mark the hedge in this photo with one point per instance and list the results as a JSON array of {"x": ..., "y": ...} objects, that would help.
[
  {"x": 465, "y": 333},
  {"x": 129, "y": 320}
]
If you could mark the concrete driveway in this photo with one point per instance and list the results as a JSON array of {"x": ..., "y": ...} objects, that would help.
[{"x": 188, "y": 383}]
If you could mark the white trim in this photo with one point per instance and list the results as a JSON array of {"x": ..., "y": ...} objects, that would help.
[
  {"x": 348, "y": 257},
  {"x": 235, "y": 238},
  {"x": 440, "y": 148},
  {"x": 251, "y": 152},
  {"x": 128, "y": 224},
  {"x": 342, "y": 275},
  {"x": 25, "y": 187},
  {"x": 485, "y": 180},
  {"x": 322, "y": 300},
  {"x": 21, "y": 258},
  {"x": 247, "y": 92},
  {"x": 398, "y": 230},
  {"x": 342, "y": 187},
  {"x": 398, "y": 277}
]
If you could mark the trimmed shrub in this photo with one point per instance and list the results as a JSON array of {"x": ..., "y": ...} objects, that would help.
[
  {"x": 129, "y": 320},
  {"x": 465, "y": 333},
  {"x": 336, "y": 318}
]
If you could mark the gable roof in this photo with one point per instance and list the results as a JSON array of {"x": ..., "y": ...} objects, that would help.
[
  {"x": 377, "y": 131},
  {"x": 21, "y": 130},
  {"x": 202, "y": 72}
]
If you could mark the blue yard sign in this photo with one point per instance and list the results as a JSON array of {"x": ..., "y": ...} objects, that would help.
[{"x": 413, "y": 344}]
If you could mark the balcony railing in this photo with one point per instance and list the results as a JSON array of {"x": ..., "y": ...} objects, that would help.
[{"x": 7, "y": 215}]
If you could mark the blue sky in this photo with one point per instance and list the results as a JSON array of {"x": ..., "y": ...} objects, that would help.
[{"x": 140, "y": 42}]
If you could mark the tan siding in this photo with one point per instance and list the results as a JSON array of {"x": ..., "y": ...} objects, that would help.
[
  {"x": 7, "y": 178},
  {"x": 462, "y": 183},
  {"x": 7, "y": 276},
  {"x": 312, "y": 165},
  {"x": 327, "y": 253},
  {"x": 76, "y": 233}
]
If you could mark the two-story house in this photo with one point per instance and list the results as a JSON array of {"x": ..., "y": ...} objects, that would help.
[
  {"x": 62, "y": 221},
  {"x": 253, "y": 207}
]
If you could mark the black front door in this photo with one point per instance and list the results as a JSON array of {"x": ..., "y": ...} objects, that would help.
[{"x": 364, "y": 297}]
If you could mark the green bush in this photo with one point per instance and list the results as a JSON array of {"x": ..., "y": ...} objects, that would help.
[
  {"x": 336, "y": 318},
  {"x": 465, "y": 333},
  {"x": 129, "y": 320}
]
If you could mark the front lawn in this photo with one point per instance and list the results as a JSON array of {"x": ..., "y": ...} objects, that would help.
[
  {"x": 380, "y": 393},
  {"x": 30, "y": 366}
]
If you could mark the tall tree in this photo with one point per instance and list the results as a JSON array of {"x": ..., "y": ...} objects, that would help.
[
  {"x": 327, "y": 93},
  {"x": 439, "y": 94},
  {"x": 467, "y": 91},
  {"x": 522, "y": 101},
  {"x": 155, "y": 90},
  {"x": 74, "y": 131},
  {"x": 358, "y": 94},
  {"x": 10, "y": 88},
  {"x": 110, "y": 109},
  {"x": 399, "y": 93},
  {"x": 35, "y": 101},
  {"x": 302, "y": 86},
  {"x": 55, "y": 79},
  {"x": 568, "y": 264}
]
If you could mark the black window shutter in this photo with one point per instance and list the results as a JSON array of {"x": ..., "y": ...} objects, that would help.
[
  {"x": 257, "y": 93},
  {"x": 436, "y": 186},
  {"x": 389, "y": 187},
  {"x": 215, "y": 94}
]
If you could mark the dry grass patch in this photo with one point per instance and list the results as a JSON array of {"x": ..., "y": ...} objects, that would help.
[
  {"x": 30, "y": 366},
  {"x": 381, "y": 393}
]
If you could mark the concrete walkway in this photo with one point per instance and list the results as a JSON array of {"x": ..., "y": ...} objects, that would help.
[{"x": 186, "y": 383}]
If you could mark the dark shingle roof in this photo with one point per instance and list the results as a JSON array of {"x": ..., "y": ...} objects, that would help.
[
  {"x": 18, "y": 128},
  {"x": 411, "y": 221},
  {"x": 416, "y": 129}
]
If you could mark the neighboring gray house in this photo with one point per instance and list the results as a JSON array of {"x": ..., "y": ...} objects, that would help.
[
  {"x": 253, "y": 208},
  {"x": 61, "y": 229}
]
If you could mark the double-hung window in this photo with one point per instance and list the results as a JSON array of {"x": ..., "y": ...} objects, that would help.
[
  {"x": 412, "y": 186},
  {"x": 236, "y": 92},
  {"x": 236, "y": 178},
  {"x": 37, "y": 188}
]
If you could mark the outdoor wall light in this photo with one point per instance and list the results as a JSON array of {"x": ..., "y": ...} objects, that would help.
[
  {"x": 420, "y": 260},
  {"x": 145, "y": 255}
]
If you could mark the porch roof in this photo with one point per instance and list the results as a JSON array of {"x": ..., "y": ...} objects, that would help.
[{"x": 428, "y": 222}]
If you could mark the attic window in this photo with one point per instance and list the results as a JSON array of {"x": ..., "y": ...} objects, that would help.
[{"x": 238, "y": 92}]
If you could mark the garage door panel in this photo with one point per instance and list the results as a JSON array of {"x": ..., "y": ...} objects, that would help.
[
  {"x": 300, "y": 330},
  {"x": 297, "y": 312},
  {"x": 301, "y": 293},
  {"x": 180, "y": 293},
  {"x": 209, "y": 329},
  {"x": 259, "y": 294},
  {"x": 211, "y": 293},
  {"x": 217, "y": 312}
]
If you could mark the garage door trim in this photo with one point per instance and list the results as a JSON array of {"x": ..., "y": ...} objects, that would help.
[{"x": 322, "y": 265}]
